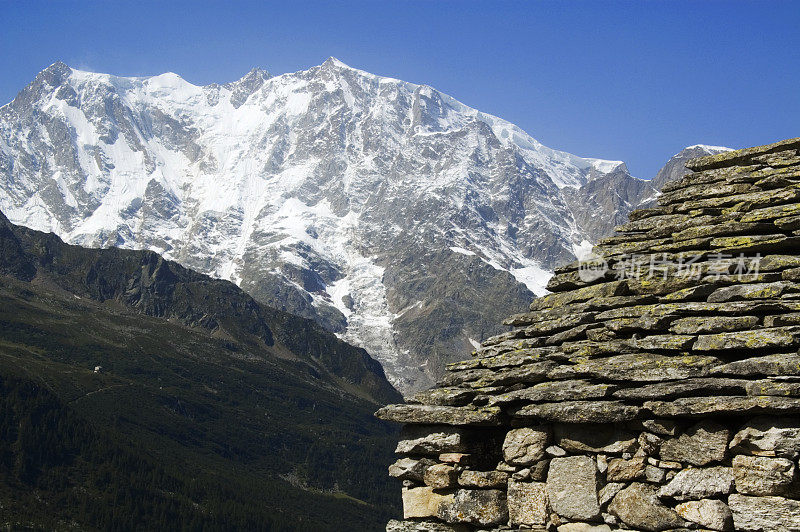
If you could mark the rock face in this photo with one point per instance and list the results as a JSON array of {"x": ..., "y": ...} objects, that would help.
[
  {"x": 363, "y": 202},
  {"x": 572, "y": 487},
  {"x": 658, "y": 386}
]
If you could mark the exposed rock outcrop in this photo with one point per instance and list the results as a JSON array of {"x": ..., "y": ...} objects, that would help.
[{"x": 658, "y": 386}]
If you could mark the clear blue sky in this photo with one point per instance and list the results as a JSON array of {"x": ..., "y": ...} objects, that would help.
[{"x": 635, "y": 81}]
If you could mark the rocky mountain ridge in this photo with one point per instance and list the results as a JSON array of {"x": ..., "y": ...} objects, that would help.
[{"x": 386, "y": 211}]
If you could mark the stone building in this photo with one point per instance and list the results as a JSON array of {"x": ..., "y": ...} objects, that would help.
[{"x": 656, "y": 388}]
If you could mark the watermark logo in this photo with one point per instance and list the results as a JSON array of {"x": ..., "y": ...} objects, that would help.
[
  {"x": 709, "y": 267},
  {"x": 592, "y": 269}
]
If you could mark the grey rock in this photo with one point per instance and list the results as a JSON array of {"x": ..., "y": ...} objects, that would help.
[
  {"x": 647, "y": 367},
  {"x": 672, "y": 389},
  {"x": 527, "y": 504},
  {"x": 764, "y": 514},
  {"x": 699, "y": 483},
  {"x": 663, "y": 342},
  {"x": 621, "y": 470},
  {"x": 569, "y": 390},
  {"x": 774, "y": 386},
  {"x": 610, "y": 519},
  {"x": 506, "y": 468},
  {"x": 602, "y": 290},
  {"x": 583, "y": 527},
  {"x": 522, "y": 474},
  {"x": 708, "y": 513},
  {"x": 780, "y": 364},
  {"x": 440, "y": 476},
  {"x": 445, "y": 396},
  {"x": 579, "y": 412},
  {"x": 775, "y": 337},
  {"x": 701, "y": 444},
  {"x": 664, "y": 427},
  {"x": 649, "y": 444},
  {"x": 602, "y": 463},
  {"x": 476, "y": 507},
  {"x": 654, "y": 474},
  {"x": 594, "y": 438},
  {"x": 423, "y": 526},
  {"x": 482, "y": 479},
  {"x": 713, "y": 324},
  {"x": 768, "y": 434},
  {"x": 434, "y": 441},
  {"x": 423, "y": 502},
  {"x": 447, "y": 415},
  {"x": 760, "y": 475},
  {"x": 410, "y": 468},
  {"x": 609, "y": 491},
  {"x": 539, "y": 470},
  {"x": 638, "y": 507},
  {"x": 572, "y": 487},
  {"x": 702, "y": 406},
  {"x": 555, "y": 450},
  {"x": 526, "y": 445},
  {"x": 748, "y": 291}
]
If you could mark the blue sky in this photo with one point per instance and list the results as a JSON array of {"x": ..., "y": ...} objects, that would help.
[{"x": 635, "y": 81}]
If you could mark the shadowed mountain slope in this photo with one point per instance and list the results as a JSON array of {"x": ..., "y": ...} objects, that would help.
[{"x": 208, "y": 410}]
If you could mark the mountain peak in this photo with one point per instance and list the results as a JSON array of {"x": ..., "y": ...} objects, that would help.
[
  {"x": 56, "y": 73},
  {"x": 256, "y": 73},
  {"x": 332, "y": 62},
  {"x": 250, "y": 83}
]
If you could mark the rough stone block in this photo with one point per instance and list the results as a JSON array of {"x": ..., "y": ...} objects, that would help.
[
  {"x": 572, "y": 487},
  {"x": 701, "y": 444},
  {"x": 778, "y": 365},
  {"x": 609, "y": 491},
  {"x": 423, "y": 502},
  {"x": 579, "y": 411},
  {"x": 410, "y": 468},
  {"x": 527, "y": 503},
  {"x": 620, "y": 470},
  {"x": 446, "y": 415},
  {"x": 764, "y": 514},
  {"x": 763, "y": 434},
  {"x": 725, "y": 404},
  {"x": 434, "y": 441},
  {"x": 638, "y": 507},
  {"x": 699, "y": 483},
  {"x": 713, "y": 324},
  {"x": 759, "y": 475},
  {"x": 482, "y": 479},
  {"x": 583, "y": 527},
  {"x": 423, "y": 526},
  {"x": 476, "y": 507},
  {"x": 593, "y": 438},
  {"x": 708, "y": 513},
  {"x": 748, "y": 291},
  {"x": 526, "y": 445},
  {"x": 776, "y": 337},
  {"x": 654, "y": 474},
  {"x": 440, "y": 476}
]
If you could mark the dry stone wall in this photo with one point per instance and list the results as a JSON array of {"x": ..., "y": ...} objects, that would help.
[{"x": 656, "y": 388}]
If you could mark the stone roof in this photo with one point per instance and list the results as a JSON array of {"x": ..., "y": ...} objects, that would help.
[{"x": 692, "y": 309}]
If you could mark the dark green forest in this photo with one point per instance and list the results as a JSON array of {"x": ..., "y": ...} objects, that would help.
[{"x": 193, "y": 422}]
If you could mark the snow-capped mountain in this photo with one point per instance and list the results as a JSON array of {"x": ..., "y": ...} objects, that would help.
[{"x": 396, "y": 216}]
